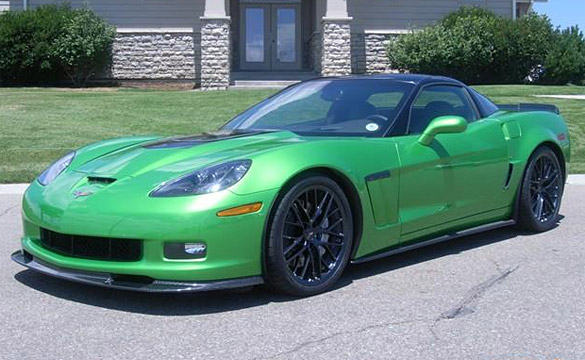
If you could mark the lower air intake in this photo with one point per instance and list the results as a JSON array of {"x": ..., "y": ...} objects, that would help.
[{"x": 89, "y": 247}]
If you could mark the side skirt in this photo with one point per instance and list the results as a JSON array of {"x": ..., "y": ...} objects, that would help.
[{"x": 440, "y": 239}]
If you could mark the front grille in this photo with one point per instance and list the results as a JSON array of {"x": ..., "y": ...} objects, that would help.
[{"x": 89, "y": 247}]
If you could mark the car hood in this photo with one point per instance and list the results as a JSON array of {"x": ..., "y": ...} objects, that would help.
[{"x": 175, "y": 156}]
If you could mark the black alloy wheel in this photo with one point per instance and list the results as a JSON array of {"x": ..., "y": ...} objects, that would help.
[
  {"x": 310, "y": 237},
  {"x": 542, "y": 190}
]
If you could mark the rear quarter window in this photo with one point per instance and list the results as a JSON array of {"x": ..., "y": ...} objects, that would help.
[{"x": 486, "y": 107}]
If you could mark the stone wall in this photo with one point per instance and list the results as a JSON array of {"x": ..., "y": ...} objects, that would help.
[
  {"x": 156, "y": 56},
  {"x": 179, "y": 56},
  {"x": 215, "y": 54},
  {"x": 368, "y": 52},
  {"x": 376, "y": 56},
  {"x": 336, "y": 50}
]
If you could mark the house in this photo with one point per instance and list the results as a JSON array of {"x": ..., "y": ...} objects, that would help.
[{"x": 212, "y": 41}]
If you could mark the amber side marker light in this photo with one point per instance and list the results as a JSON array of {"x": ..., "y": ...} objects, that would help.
[{"x": 241, "y": 210}]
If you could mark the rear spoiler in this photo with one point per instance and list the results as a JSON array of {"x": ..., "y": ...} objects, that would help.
[{"x": 530, "y": 107}]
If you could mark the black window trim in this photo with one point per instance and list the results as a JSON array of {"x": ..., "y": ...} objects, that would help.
[{"x": 479, "y": 116}]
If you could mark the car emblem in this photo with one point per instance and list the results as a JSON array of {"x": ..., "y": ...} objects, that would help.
[{"x": 79, "y": 193}]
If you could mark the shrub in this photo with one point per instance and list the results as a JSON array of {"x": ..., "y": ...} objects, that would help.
[
  {"x": 53, "y": 42},
  {"x": 85, "y": 45},
  {"x": 521, "y": 46},
  {"x": 26, "y": 42},
  {"x": 462, "y": 45},
  {"x": 565, "y": 62},
  {"x": 477, "y": 46}
]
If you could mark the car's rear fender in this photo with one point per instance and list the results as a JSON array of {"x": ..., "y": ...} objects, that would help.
[{"x": 534, "y": 129}]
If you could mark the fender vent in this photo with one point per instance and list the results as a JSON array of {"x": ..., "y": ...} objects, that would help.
[{"x": 509, "y": 177}]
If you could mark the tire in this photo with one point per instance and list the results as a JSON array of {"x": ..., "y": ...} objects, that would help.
[
  {"x": 312, "y": 224},
  {"x": 541, "y": 191}
]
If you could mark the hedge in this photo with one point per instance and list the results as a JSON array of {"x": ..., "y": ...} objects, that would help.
[
  {"x": 477, "y": 46},
  {"x": 52, "y": 43}
]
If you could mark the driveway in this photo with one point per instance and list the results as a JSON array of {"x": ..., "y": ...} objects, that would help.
[{"x": 497, "y": 295}]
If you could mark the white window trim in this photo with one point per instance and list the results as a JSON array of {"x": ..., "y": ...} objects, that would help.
[
  {"x": 515, "y": 7},
  {"x": 155, "y": 30},
  {"x": 389, "y": 31}
]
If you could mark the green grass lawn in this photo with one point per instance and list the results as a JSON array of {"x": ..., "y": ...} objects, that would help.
[{"x": 39, "y": 125}]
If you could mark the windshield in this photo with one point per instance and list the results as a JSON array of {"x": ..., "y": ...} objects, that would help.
[{"x": 357, "y": 107}]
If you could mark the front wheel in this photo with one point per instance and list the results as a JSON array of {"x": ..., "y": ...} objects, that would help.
[
  {"x": 309, "y": 238},
  {"x": 541, "y": 191}
]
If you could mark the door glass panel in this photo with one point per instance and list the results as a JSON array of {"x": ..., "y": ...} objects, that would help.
[
  {"x": 254, "y": 34},
  {"x": 439, "y": 100},
  {"x": 286, "y": 35}
]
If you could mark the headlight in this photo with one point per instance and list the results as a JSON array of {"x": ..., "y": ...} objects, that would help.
[
  {"x": 55, "y": 169},
  {"x": 212, "y": 179}
]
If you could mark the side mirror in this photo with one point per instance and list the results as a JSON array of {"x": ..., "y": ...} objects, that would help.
[{"x": 442, "y": 125}]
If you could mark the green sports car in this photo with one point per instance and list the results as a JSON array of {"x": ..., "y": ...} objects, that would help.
[{"x": 325, "y": 172}]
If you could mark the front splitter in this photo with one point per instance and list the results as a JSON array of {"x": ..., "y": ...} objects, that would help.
[{"x": 125, "y": 283}]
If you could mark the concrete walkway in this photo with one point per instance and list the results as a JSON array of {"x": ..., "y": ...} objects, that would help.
[
  {"x": 18, "y": 189},
  {"x": 566, "y": 97}
]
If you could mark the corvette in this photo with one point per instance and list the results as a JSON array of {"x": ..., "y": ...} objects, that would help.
[{"x": 288, "y": 193}]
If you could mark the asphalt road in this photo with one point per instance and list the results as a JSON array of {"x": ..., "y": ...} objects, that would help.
[{"x": 498, "y": 295}]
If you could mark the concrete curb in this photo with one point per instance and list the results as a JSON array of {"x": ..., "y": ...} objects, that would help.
[
  {"x": 578, "y": 179},
  {"x": 18, "y": 189},
  {"x": 13, "y": 189}
]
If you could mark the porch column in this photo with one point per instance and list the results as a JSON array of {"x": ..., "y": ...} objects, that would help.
[
  {"x": 336, "y": 34},
  {"x": 215, "y": 46}
]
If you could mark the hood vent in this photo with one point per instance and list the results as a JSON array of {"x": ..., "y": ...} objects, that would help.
[{"x": 100, "y": 180}]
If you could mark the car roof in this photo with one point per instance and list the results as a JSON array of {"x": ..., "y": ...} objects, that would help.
[{"x": 410, "y": 78}]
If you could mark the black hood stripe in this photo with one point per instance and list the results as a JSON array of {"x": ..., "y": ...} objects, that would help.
[{"x": 195, "y": 140}]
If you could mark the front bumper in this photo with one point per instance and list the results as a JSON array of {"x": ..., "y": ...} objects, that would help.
[
  {"x": 133, "y": 283},
  {"x": 234, "y": 244}
]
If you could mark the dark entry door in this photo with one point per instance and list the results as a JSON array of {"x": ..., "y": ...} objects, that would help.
[{"x": 270, "y": 37}]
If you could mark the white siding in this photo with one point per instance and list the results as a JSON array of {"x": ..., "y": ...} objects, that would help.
[
  {"x": 4, "y": 5},
  {"x": 367, "y": 14},
  {"x": 407, "y": 14},
  {"x": 137, "y": 14}
]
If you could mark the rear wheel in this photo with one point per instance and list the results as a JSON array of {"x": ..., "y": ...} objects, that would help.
[
  {"x": 541, "y": 192},
  {"x": 310, "y": 237}
]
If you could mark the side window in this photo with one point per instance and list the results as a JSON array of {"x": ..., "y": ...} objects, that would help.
[
  {"x": 440, "y": 100},
  {"x": 486, "y": 107}
]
